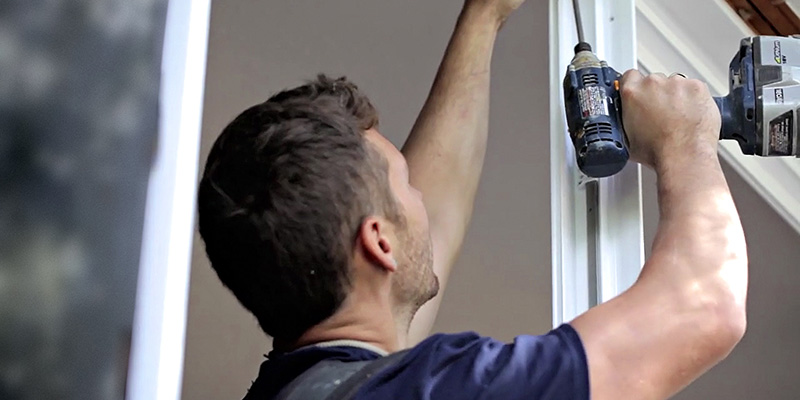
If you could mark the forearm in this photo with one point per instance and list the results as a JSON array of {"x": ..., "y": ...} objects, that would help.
[
  {"x": 693, "y": 287},
  {"x": 699, "y": 249},
  {"x": 446, "y": 147},
  {"x": 686, "y": 311}
]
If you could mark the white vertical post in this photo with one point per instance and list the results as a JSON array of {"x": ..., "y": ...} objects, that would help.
[
  {"x": 156, "y": 365},
  {"x": 620, "y": 232},
  {"x": 592, "y": 262},
  {"x": 567, "y": 201}
]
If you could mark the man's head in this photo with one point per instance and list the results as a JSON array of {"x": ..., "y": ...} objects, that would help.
[{"x": 300, "y": 190}]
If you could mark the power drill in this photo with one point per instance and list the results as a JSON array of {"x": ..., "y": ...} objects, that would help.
[{"x": 759, "y": 111}]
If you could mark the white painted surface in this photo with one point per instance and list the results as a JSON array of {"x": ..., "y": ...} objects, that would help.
[
  {"x": 794, "y": 5},
  {"x": 156, "y": 364},
  {"x": 568, "y": 200},
  {"x": 609, "y": 27},
  {"x": 620, "y": 242}
]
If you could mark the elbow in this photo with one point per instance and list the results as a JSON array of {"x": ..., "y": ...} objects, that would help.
[
  {"x": 725, "y": 328},
  {"x": 719, "y": 319},
  {"x": 731, "y": 310},
  {"x": 724, "y": 306},
  {"x": 732, "y": 327}
]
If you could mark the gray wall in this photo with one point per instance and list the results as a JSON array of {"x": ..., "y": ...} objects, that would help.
[{"x": 501, "y": 286}]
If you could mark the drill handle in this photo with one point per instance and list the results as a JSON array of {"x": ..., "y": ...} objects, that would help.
[
  {"x": 738, "y": 120},
  {"x": 725, "y": 112}
]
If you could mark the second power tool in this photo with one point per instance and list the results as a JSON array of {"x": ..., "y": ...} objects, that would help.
[{"x": 759, "y": 112}]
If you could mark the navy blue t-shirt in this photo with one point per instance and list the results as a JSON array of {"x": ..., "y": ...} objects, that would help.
[{"x": 453, "y": 366}]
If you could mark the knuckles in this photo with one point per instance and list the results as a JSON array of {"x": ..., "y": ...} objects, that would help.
[
  {"x": 696, "y": 86},
  {"x": 627, "y": 91}
]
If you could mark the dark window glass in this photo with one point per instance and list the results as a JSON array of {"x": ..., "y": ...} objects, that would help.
[{"x": 79, "y": 84}]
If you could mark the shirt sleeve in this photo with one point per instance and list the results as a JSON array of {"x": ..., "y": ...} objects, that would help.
[{"x": 468, "y": 366}]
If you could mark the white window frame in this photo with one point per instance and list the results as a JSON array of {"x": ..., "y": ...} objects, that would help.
[
  {"x": 156, "y": 362},
  {"x": 597, "y": 246}
]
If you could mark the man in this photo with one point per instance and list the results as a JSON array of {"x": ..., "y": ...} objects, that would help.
[{"x": 340, "y": 244}]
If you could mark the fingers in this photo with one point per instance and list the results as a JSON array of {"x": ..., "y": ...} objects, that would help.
[
  {"x": 631, "y": 77},
  {"x": 665, "y": 116}
]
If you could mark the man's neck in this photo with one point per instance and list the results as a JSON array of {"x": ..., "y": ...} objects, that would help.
[{"x": 363, "y": 320}]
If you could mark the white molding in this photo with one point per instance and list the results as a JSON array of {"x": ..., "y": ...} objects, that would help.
[
  {"x": 609, "y": 27},
  {"x": 701, "y": 44},
  {"x": 156, "y": 365},
  {"x": 620, "y": 230},
  {"x": 794, "y": 5},
  {"x": 567, "y": 201}
]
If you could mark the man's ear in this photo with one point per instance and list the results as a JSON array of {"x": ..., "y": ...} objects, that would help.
[{"x": 377, "y": 243}]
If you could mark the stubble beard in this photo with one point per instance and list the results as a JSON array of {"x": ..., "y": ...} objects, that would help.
[{"x": 418, "y": 283}]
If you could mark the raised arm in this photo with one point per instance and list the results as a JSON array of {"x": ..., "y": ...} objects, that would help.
[
  {"x": 687, "y": 309},
  {"x": 446, "y": 147}
]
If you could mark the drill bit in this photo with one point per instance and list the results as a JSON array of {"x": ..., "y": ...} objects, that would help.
[{"x": 578, "y": 21}]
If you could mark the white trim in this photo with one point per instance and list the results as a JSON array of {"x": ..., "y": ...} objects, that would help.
[
  {"x": 567, "y": 202},
  {"x": 156, "y": 365},
  {"x": 794, "y": 5},
  {"x": 620, "y": 231},
  {"x": 671, "y": 39},
  {"x": 609, "y": 27}
]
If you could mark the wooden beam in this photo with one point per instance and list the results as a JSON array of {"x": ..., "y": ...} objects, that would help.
[
  {"x": 789, "y": 13},
  {"x": 767, "y": 17},
  {"x": 775, "y": 17}
]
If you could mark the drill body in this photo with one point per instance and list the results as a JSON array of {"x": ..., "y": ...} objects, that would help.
[
  {"x": 760, "y": 112},
  {"x": 592, "y": 101}
]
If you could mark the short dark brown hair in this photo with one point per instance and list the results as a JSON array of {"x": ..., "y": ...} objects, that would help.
[{"x": 285, "y": 189}]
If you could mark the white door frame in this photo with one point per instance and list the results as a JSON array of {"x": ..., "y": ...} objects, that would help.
[
  {"x": 156, "y": 362},
  {"x": 597, "y": 235}
]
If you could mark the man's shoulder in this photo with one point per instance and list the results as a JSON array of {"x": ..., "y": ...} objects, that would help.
[
  {"x": 441, "y": 345},
  {"x": 563, "y": 336},
  {"x": 457, "y": 339},
  {"x": 453, "y": 365}
]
